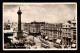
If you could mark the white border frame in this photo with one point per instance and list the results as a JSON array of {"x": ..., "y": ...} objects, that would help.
[{"x": 15, "y": 3}]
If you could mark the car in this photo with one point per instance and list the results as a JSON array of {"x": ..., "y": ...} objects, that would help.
[
  {"x": 31, "y": 43},
  {"x": 45, "y": 45},
  {"x": 65, "y": 46},
  {"x": 57, "y": 45}
]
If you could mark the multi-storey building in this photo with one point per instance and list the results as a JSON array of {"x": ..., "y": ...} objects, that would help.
[
  {"x": 8, "y": 32},
  {"x": 73, "y": 30},
  {"x": 33, "y": 27},
  {"x": 51, "y": 31},
  {"x": 7, "y": 25},
  {"x": 69, "y": 32},
  {"x": 66, "y": 34},
  {"x": 26, "y": 27}
]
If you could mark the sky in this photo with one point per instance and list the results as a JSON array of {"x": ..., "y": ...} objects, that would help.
[{"x": 40, "y": 12}]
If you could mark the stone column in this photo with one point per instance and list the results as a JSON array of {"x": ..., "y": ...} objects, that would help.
[{"x": 19, "y": 33}]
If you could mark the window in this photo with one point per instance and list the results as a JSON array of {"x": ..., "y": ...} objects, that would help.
[
  {"x": 63, "y": 25},
  {"x": 55, "y": 32},
  {"x": 74, "y": 32},
  {"x": 60, "y": 33},
  {"x": 74, "y": 37},
  {"x": 69, "y": 25},
  {"x": 8, "y": 27},
  {"x": 66, "y": 34},
  {"x": 74, "y": 24},
  {"x": 66, "y": 29},
  {"x": 55, "y": 36},
  {"x": 33, "y": 30},
  {"x": 66, "y": 25}
]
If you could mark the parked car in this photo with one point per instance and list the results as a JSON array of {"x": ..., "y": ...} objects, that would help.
[
  {"x": 65, "y": 46},
  {"x": 32, "y": 43},
  {"x": 45, "y": 45},
  {"x": 57, "y": 45}
]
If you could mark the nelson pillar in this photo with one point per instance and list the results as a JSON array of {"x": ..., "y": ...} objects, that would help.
[{"x": 19, "y": 33}]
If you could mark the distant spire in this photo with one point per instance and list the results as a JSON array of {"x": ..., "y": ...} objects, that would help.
[
  {"x": 8, "y": 20},
  {"x": 19, "y": 7}
]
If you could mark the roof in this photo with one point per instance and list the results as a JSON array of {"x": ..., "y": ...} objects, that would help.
[
  {"x": 73, "y": 21},
  {"x": 66, "y": 24}
]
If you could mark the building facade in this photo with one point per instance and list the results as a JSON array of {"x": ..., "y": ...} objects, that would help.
[
  {"x": 66, "y": 34},
  {"x": 46, "y": 30},
  {"x": 69, "y": 32},
  {"x": 51, "y": 31},
  {"x": 73, "y": 30},
  {"x": 33, "y": 27}
]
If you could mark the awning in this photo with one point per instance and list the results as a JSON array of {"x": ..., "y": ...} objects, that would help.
[
  {"x": 73, "y": 45},
  {"x": 58, "y": 41}
]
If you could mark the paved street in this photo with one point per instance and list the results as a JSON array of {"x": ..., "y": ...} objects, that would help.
[{"x": 38, "y": 43}]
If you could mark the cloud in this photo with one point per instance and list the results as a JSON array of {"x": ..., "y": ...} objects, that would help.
[{"x": 52, "y": 13}]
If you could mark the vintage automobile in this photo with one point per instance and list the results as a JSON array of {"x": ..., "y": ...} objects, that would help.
[
  {"x": 45, "y": 45},
  {"x": 30, "y": 42},
  {"x": 57, "y": 45}
]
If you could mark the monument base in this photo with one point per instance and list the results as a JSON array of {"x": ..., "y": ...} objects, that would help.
[{"x": 20, "y": 34}]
